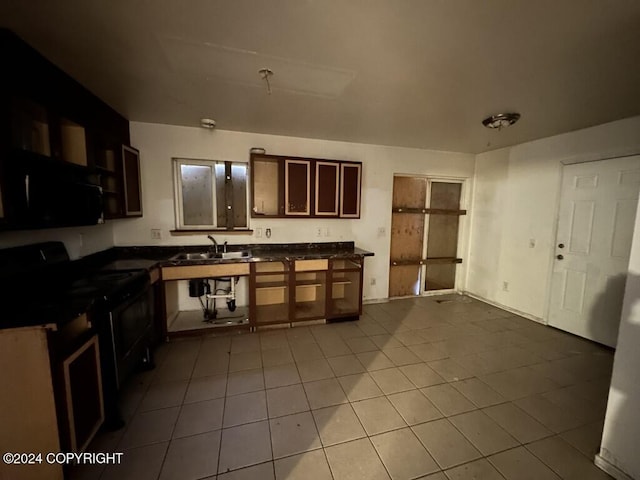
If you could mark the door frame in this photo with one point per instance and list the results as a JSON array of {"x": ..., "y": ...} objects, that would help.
[
  {"x": 462, "y": 232},
  {"x": 554, "y": 234}
]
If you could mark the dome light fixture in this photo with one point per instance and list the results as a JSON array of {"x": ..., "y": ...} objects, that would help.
[
  {"x": 208, "y": 123},
  {"x": 501, "y": 120}
]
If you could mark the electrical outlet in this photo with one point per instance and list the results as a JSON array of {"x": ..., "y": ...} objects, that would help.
[
  {"x": 258, "y": 232},
  {"x": 318, "y": 232},
  {"x": 505, "y": 286},
  {"x": 372, "y": 282},
  {"x": 267, "y": 233},
  {"x": 532, "y": 243},
  {"x": 156, "y": 233},
  {"x": 382, "y": 231}
]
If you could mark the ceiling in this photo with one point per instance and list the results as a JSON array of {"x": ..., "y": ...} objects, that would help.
[{"x": 413, "y": 73}]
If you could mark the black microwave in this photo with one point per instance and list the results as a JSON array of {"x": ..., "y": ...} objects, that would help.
[{"x": 50, "y": 194}]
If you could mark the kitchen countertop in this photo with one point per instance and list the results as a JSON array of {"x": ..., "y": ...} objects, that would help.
[
  {"x": 31, "y": 306},
  {"x": 149, "y": 257}
]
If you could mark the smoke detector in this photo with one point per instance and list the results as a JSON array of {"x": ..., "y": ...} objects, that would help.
[{"x": 208, "y": 123}]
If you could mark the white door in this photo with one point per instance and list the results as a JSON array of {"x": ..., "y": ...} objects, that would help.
[{"x": 597, "y": 211}]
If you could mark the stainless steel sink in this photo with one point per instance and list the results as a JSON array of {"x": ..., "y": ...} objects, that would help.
[
  {"x": 194, "y": 256},
  {"x": 240, "y": 254},
  {"x": 212, "y": 255}
]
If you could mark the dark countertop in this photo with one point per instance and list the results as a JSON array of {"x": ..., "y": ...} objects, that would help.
[
  {"x": 35, "y": 299},
  {"x": 149, "y": 257}
]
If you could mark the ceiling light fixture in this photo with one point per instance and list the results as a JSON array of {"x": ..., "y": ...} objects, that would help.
[
  {"x": 265, "y": 73},
  {"x": 501, "y": 120},
  {"x": 208, "y": 123}
]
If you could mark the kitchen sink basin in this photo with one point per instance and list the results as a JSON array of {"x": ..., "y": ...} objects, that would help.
[
  {"x": 194, "y": 256},
  {"x": 240, "y": 254},
  {"x": 212, "y": 255}
]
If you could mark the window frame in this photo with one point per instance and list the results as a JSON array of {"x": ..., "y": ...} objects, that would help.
[{"x": 177, "y": 163}]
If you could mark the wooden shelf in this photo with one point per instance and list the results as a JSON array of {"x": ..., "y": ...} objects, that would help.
[
  {"x": 341, "y": 281},
  {"x": 278, "y": 313},
  {"x": 308, "y": 283},
  {"x": 270, "y": 285},
  {"x": 309, "y": 309},
  {"x": 341, "y": 306}
]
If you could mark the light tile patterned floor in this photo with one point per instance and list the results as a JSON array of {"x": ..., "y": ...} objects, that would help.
[{"x": 416, "y": 389}]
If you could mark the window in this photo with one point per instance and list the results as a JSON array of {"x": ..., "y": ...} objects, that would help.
[{"x": 210, "y": 194}]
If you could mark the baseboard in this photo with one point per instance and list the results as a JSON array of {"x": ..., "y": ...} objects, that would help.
[
  {"x": 371, "y": 301},
  {"x": 508, "y": 309},
  {"x": 610, "y": 469}
]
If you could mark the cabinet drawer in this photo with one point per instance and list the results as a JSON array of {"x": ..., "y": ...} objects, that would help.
[{"x": 308, "y": 265}]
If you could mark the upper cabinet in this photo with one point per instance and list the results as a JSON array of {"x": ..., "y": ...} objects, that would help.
[
  {"x": 50, "y": 123},
  {"x": 297, "y": 187},
  {"x": 131, "y": 180},
  {"x": 327, "y": 188},
  {"x": 293, "y": 187},
  {"x": 350, "y": 178}
]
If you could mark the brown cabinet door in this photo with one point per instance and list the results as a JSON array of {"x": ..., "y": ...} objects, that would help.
[
  {"x": 131, "y": 174},
  {"x": 350, "y": 190},
  {"x": 297, "y": 187},
  {"x": 327, "y": 188}
]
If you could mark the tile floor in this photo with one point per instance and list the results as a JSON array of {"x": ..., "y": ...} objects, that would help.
[{"x": 415, "y": 389}]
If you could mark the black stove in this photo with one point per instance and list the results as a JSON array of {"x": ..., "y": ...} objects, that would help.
[
  {"x": 109, "y": 289},
  {"x": 42, "y": 286}
]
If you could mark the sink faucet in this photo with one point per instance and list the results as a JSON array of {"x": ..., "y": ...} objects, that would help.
[
  {"x": 224, "y": 246},
  {"x": 214, "y": 242}
]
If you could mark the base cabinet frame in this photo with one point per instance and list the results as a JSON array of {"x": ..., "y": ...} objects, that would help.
[{"x": 289, "y": 292}]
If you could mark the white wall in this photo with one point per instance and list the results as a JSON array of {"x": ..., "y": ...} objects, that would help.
[
  {"x": 619, "y": 448},
  {"x": 79, "y": 241},
  {"x": 159, "y": 143},
  {"x": 516, "y": 200}
]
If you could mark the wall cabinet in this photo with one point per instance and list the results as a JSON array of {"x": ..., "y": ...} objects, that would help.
[
  {"x": 131, "y": 182},
  {"x": 350, "y": 179},
  {"x": 297, "y": 187},
  {"x": 53, "y": 123},
  {"x": 294, "y": 187},
  {"x": 327, "y": 188}
]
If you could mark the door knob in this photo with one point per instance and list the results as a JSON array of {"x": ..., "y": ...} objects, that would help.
[
  {"x": 560, "y": 257},
  {"x": 561, "y": 245}
]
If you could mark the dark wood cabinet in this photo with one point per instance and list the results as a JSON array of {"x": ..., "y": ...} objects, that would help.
[
  {"x": 50, "y": 122},
  {"x": 327, "y": 188},
  {"x": 305, "y": 290},
  {"x": 344, "y": 300},
  {"x": 131, "y": 181},
  {"x": 296, "y": 187},
  {"x": 350, "y": 181}
]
